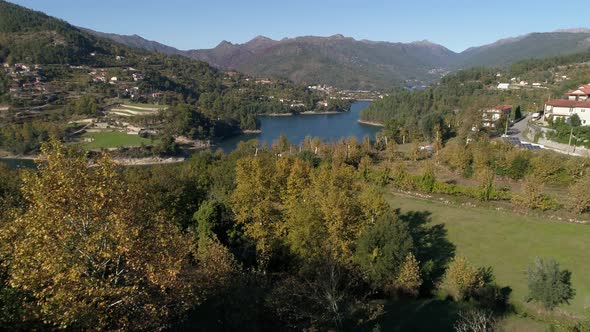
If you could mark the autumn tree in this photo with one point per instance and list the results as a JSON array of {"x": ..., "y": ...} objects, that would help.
[
  {"x": 532, "y": 195},
  {"x": 486, "y": 177},
  {"x": 463, "y": 278},
  {"x": 579, "y": 194},
  {"x": 408, "y": 281},
  {"x": 91, "y": 253},
  {"x": 254, "y": 202}
]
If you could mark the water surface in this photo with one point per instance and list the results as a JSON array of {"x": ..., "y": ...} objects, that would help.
[{"x": 329, "y": 127}]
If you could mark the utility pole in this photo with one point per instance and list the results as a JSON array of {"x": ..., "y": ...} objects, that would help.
[
  {"x": 569, "y": 144},
  {"x": 507, "y": 121}
]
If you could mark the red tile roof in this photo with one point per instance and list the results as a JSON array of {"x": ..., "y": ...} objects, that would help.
[
  {"x": 568, "y": 103},
  {"x": 503, "y": 107},
  {"x": 585, "y": 89}
]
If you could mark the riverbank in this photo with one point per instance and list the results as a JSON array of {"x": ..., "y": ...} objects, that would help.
[
  {"x": 321, "y": 113},
  {"x": 251, "y": 131},
  {"x": 9, "y": 156},
  {"x": 277, "y": 114},
  {"x": 371, "y": 123},
  {"x": 148, "y": 161}
]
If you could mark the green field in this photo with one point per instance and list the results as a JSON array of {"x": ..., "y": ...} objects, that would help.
[
  {"x": 114, "y": 139},
  {"x": 509, "y": 243}
]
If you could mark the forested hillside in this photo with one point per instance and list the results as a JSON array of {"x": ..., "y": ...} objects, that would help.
[
  {"x": 52, "y": 69},
  {"x": 454, "y": 102}
]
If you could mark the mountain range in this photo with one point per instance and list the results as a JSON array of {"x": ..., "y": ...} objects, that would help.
[{"x": 363, "y": 64}]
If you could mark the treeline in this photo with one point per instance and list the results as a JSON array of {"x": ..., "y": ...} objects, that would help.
[{"x": 27, "y": 137}]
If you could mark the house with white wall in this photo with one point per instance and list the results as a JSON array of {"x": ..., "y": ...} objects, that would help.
[
  {"x": 491, "y": 116},
  {"x": 577, "y": 102}
]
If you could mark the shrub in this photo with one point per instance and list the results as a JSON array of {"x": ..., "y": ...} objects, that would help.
[
  {"x": 475, "y": 321},
  {"x": 548, "y": 284},
  {"x": 464, "y": 279},
  {"x": 579, "y": 193},
  {"x": 533, "y": 197}
]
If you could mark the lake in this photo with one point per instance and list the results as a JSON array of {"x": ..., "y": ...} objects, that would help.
[
  {"x": 329, "y": 127},
  {"x": 18, "y": 163}
]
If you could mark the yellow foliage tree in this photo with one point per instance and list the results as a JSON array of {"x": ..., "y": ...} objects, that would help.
[
  {"x": 91, "y": 253},
  {"x": 463, "y": 278},
  {"x": 256, "y": 205},
  {"x": 408, "y": 281},
  {"x": 579, "y": 194}
]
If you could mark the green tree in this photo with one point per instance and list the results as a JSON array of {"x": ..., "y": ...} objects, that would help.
[
  {"x": 575, "y": 120},
  {"x": 382, "y": 249},
  {"x": 548, "y": 284}
]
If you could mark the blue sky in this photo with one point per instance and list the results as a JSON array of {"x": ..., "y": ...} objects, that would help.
[{"x": 185, "y": 24}]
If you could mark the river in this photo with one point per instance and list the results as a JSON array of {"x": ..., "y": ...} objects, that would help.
[{"x": 329, "y": 127}]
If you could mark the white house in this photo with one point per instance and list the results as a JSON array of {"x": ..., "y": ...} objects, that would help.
[
  {"x": 577, "y": 102},
  {"x": 491, "y": 116},
  {"x": 503, "y": 86}
]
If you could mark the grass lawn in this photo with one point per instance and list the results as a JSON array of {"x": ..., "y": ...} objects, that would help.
[
  {"x": 509, "y": 243},
  {"x": 114, "y": 139}
]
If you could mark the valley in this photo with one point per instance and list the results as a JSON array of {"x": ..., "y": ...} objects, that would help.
[{"x": 300, "y": 184}]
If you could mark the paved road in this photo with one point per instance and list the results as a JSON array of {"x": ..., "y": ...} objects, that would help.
[{"x": 518, "y": 128}]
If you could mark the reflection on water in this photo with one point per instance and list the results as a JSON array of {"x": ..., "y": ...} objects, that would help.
[{"x": 330, "y": 127}]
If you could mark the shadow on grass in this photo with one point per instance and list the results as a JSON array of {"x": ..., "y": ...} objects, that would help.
[
  {"x": 419, "y": 315},
  {"x": 432, "y": 246}
]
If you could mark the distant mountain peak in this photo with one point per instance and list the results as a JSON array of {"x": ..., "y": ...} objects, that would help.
[
  {"x": 426, "y": 42},
  {"x": 261, "y": 38},
  {"x": 337, "y": 36},
  {"x": 224, "y": 43}
]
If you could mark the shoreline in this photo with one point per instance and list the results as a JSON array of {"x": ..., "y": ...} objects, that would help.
[
  {"x": 32, "y": 157},
  {"x": 321, "y": 113},
  {"x": 371, "y": 123},
  {"x": 252, "y": 131},
  {"x": 277, "y": 114},
  {"x": 148, "y": 161}
]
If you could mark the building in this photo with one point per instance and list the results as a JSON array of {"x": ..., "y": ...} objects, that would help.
[
  {"x": 503, "y": 86},
  {"x": 577, "y": 102},
  {"x": 491, "y": 116}
]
